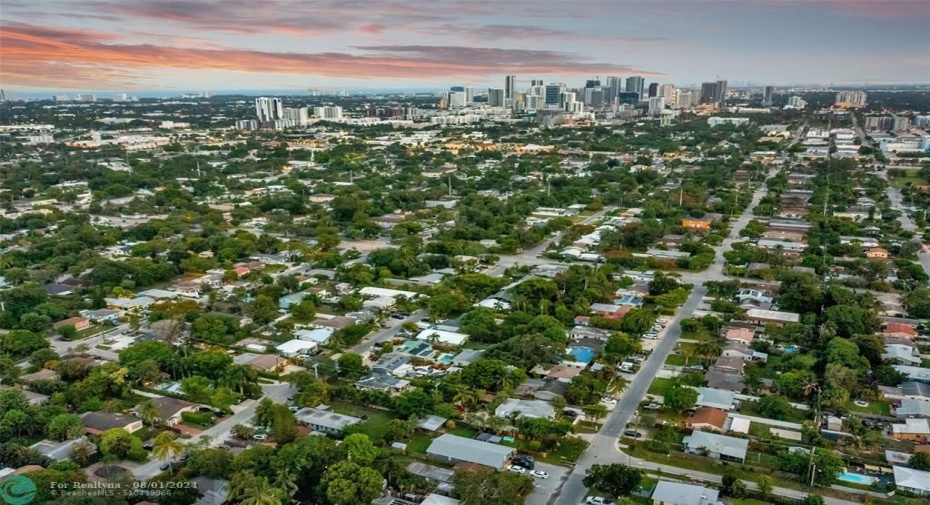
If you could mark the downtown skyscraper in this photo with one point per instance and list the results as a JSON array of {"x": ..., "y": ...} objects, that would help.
[{"x": 635, "y": 84}]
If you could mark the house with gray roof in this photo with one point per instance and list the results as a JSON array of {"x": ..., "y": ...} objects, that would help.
[
  {"x": 717, "y": 446},
  {"x": 913, "y": 481},
  {"x": 911, "y": 408},
  {"x": 380, "y": 380},
  {"x": 915, "y": 390},
  {"x": 678, "y": 493},
  {"x": 455, "y": 449},
  {"x": 61, "y": 451},
  {"x": 716, "y": 398},
  {"x": 526, "y": 408},
  {"x": 324, "y": 421}
]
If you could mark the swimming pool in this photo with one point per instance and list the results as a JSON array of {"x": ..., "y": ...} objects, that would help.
[
  {"x": 856, "y": 478},
  {"x": 582, "y": 354},
  {"x": 446, "y": 359},
  {"x": 791, "y": 348}
]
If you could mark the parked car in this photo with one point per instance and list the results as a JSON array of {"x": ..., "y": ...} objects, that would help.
[
  {"x": 539, "y": 474},
  {"x": 608, "y": 399},
  {"x": 293, "y": 408},
  {"x": 259, "y": 437},
  {"x": 598, "y": 500},
  {"x": 633, "y": 433},
  {"x": 653, "y": 406},
  {"x": 164, "y": 466},
  {"x": 517, "y": 469},
  {"x": 569, "y": 413},
  {"x": 525, "y": 463}
]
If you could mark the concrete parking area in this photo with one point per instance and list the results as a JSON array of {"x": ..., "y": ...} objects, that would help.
[{"x": 545, "y": 488}]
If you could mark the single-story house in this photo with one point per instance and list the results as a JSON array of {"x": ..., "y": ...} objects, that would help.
[
  {"x": 915, "y": 390},
  {"x": 324, "y": 421},
  {"x": 159, "y": 294},
  {"x": 170, "y": 409},
  {"x": 732, "y": 364},
  {"x": 61, "y": 451},
  {"x": 319, "y": 335},
  {"x": 455, "y": 449},
  {"x": 132, "y": 304},
  {"x": 707, "y": 418},
  {"x": 914, "y": 373},
  {"x": 96, "y": 423},
  {"x": 678, "y": 493},
  {"x": 294, "y": 348},
  {"x": 432, "y": 473},
  {"x": 899, "y": 329},
  {"x": 380, "y": 380},
  {"x": 337, "y": 323},
  {"x": 55, "y": 289},
  {"x": 288, "y": 301},
  {"x": 438, "y": 499},
  {"x": 912, "y": 481},
  {"x": 778, "y": 318},
  {"x": 912, "y": 430},
  {"x": 733, "y": 350},
  {"x": 445, "y": 337},
  {"x": 717, "y": 446},
  {"x": 741, "y": 336},
  {"x": 901, "y": 354},
  {"x": 579, "y": 332},
  {"x": 467, "y": 357},
  {"x": 31, "y": 396},
  {"x": 911, "y": 408},
  {"x": 101, "y": 315},
  {"x": 527, "y": 408},
  {"x": 41, "y": 375},
  {"x": 729, "y": 381},
  {"x": 716, "y": 398},
  {"x": 267, "y": 363},
  {"x": 431, "y": 423},
  {"x": 79, "y": 323}
]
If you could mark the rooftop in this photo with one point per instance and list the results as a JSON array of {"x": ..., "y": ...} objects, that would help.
[
  {"x": 677, "y": 493},
  {"x": 472, "y": 451}
]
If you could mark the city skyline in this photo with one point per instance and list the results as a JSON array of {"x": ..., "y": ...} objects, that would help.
[{"x": 135, "y": 45}]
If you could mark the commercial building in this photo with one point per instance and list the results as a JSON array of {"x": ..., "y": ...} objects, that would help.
[
  {"x": 635, "y": 84},
  {"x": 853, "y": 99},
  {"x": 797, "y": 102},
  {"x": 328, "y": 112},
  {"x": 714, "y": 121},
  {"x": 497, "y": 97},
  {"x": 656, "y": 104},
  {"x": 554, "y": 93},
  {"x": 510, "y": 83},
  {"x": 768, "y": 96},
  {"x": 653, "y": 89}
]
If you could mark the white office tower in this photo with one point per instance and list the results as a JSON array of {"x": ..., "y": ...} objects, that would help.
[
  {"x": 656, "y": 104},
  {"x": 797, "y": 102},
  {"x": 614, "y": 87},
  {"x": 300, "y": 116},
  {"x": 269, "y": 109},
  {"x": 121, "y": 97},
  {"x": 533, "y": 102},
  {"x": 496, "y": 97},
  {"x": 328, "y": 112},
  {"x": 457, "y": 99},
  {"x": 87, "y": 98},
  {"x": 686, "y": 98}
]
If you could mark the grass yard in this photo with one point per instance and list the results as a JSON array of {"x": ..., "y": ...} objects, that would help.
[
  {"x": 760, "y": 430},
  {"x": 419, "y": 442},
  {"x": 376, "y": 423},
  {"x": 660, "y": 386},
  {"x": 910, "y": 176},
  {"x": 680, "y": 359},
  {"x": 794, "y": 416},
  {"x": 880, "y": 408}
]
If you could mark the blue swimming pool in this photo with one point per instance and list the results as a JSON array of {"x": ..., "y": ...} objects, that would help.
[
  {"x": 856, "y": 478},
  {"x": 582, "y": 354},
  {"x": 791, "y": 348}
]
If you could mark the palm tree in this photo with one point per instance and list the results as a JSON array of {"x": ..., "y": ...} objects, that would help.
[
  {"x": 709, "y": 350},
  {"x": 689, "y": 352},
  {"x": 148, "y": 412},
  {"x": 466, "y": 397},
  {"x": 286, "y": 479},
  {"x": 237, "y": 376},
  {"x": 495, "y": 423},
  {"x": 617, "y": 386},
  {"x": 166, "y": 446}
]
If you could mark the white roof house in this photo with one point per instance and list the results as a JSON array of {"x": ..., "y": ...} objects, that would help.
[
  {"x": 296, "y": 347},
  {"x": 715, "y": 398},
  {"x": 717, "y": 446},
  {"x": 318, "y": 335},
  {"x": 452, "y": 448},
  {"x": 446, "y": 337},
  {"x": 393, "y": 293},
  {"x": 677, "y": 493},
  {"x": 911, "y": 407},
  {"x": 912, "y": 481},
  {"x": 526, "y": 408},
  {"x": 774, "y": 316},
  {"x": 903, "y": 354}
]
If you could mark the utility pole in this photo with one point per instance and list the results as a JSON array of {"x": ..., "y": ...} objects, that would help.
[{"x": 681, "y": 195}]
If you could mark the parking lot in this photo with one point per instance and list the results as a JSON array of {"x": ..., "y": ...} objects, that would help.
[{"x": 546, "y": 487}]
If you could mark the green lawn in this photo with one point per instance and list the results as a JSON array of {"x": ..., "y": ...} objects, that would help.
[
  {"x": 660, "y": 386},
  {"x": 419, "y": 442},
  {"x": 794, "y": 416},
  {"x": 376, "y": 423},
  {"x": 880, "y": 408},
  {"x": 679, "y": 359},
  {"x": 910, "y": 176}
]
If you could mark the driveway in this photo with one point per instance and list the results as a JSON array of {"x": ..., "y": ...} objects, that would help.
[{"x": 545, "y": 488}]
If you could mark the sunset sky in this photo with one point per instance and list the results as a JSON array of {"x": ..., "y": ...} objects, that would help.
[{"x": 133, "y": 45}]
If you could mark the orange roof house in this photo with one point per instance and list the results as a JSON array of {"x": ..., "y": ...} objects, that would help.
[
  {"x": 696, "y": 224},
  {"x": 707, "y": 418}
]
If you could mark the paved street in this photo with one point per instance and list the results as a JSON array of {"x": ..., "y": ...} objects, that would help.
[
  {"x": 546, "y": 487},
  {"x": 218, "y": 433},
  {"x": 386, "y": 334},
  {"x": 602, "y": 448}
]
